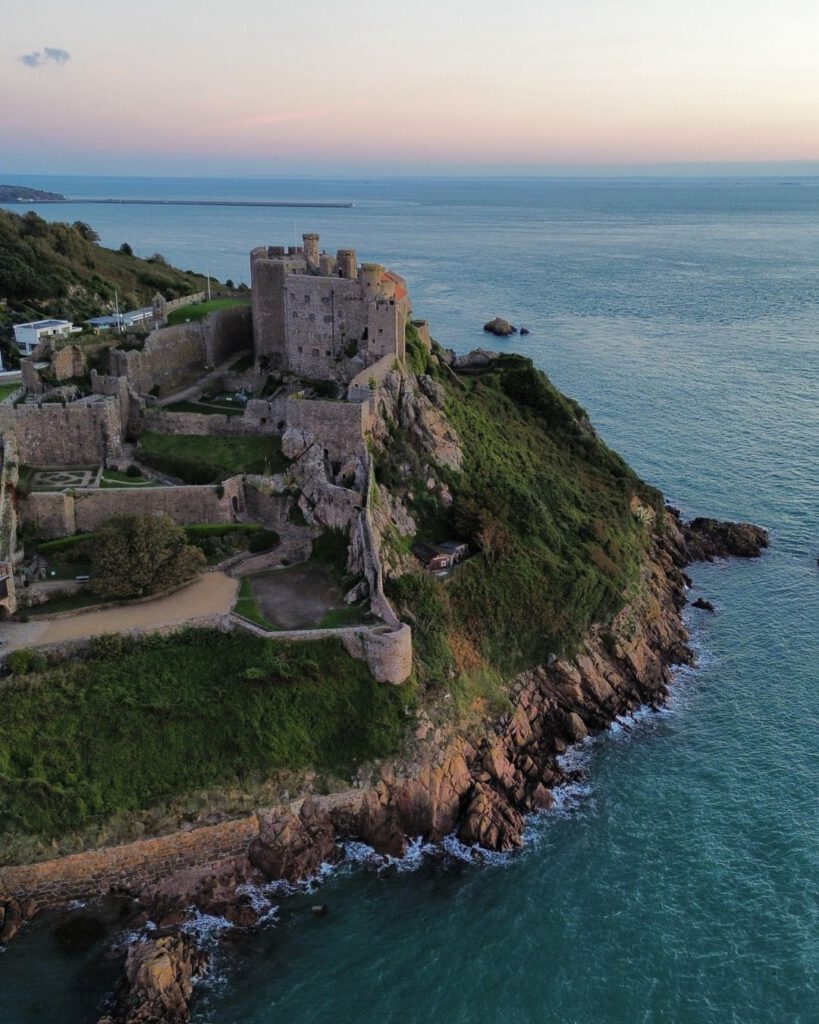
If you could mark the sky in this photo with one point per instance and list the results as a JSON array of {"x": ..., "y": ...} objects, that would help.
[{"x": 196, "y": 87}]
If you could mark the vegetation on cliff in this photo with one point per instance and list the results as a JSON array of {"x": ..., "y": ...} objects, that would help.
[
  {"x": 139, "y": 722},
  {"x": 61, "y": 270},
  {"x": 547, "y": 506}
]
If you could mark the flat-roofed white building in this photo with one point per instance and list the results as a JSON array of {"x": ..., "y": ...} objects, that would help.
[{"x": 28, "y": 336}]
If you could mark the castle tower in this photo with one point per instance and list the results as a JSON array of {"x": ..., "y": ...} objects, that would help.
[
  {"x": 160, "y": 310},
  {"x": 311, "y": 249},
  {"x": 371, "y": 274},
  {"x": 346, "y": 260}
]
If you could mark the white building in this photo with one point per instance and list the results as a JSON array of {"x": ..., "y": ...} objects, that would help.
[
  {"x": 123, "y": 320},
  {"x": 28, "y": 336}
]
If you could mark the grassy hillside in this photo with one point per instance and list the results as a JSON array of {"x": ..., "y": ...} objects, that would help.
[
  {"x": 546, "y": 506},
  {"x": 60, "y": 270},
  {"x": 139, "y": 722}
]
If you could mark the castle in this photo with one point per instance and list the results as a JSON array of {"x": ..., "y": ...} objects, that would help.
[
  {"x": 309, "y": 356},
  {"x": 324, "y": 317}
]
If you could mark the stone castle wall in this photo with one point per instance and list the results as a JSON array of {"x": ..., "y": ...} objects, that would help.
[
  {"x": 170, "y": 360},
  {"x": 225, "y": 332},
  {"x": 260, "y": 418},
  {"x": 80, "y": 433},
  {"x": 68, "y": 362},
  {"x": 174, "y": 358},
  {"x": 339, "y": 427},
  {"x": 62, "y": 514},
  {"x": 133, "y": 867},
  {"x": 323, "y": 314}
]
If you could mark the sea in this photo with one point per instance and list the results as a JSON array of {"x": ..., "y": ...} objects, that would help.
[{"x": 679, "y": 880}]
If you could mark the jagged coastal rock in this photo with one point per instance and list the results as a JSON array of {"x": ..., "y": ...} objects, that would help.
[
  {"x": 159, "y": 977},
  {"x": 500, "y": 327}
]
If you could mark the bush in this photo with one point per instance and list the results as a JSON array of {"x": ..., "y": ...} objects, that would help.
[
  {"x": 18, "y": 662},
  {"x": 136, "y": 555},
  {"x": 133, "y": 471}
]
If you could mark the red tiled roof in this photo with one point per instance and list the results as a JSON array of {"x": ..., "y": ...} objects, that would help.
[{"x": 400, "y": 283}]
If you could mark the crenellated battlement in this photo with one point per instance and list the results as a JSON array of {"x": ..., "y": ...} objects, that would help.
[{"x": 322, "y": 316}]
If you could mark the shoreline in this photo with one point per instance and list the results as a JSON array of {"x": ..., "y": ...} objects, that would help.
[{"x": 479, "y": 794}]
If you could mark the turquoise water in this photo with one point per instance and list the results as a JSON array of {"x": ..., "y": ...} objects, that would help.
[{"x": 681, "y": 882}]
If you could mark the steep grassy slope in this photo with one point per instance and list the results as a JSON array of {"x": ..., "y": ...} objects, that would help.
[
  {"x": 139, "y": 722},
  {"x": 549, "y": 509},
  {"x": 60, "y": 270}
]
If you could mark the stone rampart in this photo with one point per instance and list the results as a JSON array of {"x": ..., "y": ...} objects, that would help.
[
  {"x": 338, "y": 427},
  {"x": 134, "y": 867},
  {"x": 175, "y": 357},
  {"x": 85, "y": 432},
  {"x": 170, "y": 360},
  {"x": 226, "y": 332},
  {"x": 260, "y": 418},
  {"x": 386, "y": 649},
  {"x": 68, "y": 362},
  {"x": 271, "y": 509},
  {"x": 62, "y": 514}
]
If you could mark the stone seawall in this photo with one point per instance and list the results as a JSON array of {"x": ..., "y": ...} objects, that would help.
[{"x": 132, "y": 868}]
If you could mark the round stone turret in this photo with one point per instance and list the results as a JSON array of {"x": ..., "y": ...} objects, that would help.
[
  {"x": 311, "y": 249},
  {"x": 347, "y": 263},
  {"x": 371, "y": 274}
]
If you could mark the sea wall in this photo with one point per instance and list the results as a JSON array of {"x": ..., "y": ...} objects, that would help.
[{"x": 133, "y": 867}]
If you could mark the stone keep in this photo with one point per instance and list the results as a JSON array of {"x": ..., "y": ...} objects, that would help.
[{"x": 312, "y": 312}]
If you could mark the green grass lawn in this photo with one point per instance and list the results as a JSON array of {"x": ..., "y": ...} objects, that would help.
[
  {"x": 135, "y": 723},
  {"x": 9, "y": 389},
  {"x": 113, "y": 478},
  {"x": 67, "y": 603},
  {"x": 199, "y": 309},
  {"x": 242, "y": 363},
  {"x": 208, "y": 408},
  {"x": 203, "y": 460},
  {"x": 247, "y": 606}
]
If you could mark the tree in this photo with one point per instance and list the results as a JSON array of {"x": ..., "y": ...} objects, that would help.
[
  {"x": 142, "y": 554},
  {"x": 87, "y": 232},
  {"x": 126, "y": 249}
]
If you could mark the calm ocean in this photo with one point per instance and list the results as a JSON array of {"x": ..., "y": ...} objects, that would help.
[{"x": 681, "y": 883}]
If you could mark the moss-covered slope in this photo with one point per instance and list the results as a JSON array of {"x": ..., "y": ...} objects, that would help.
[
  {"x": 559, "y": 522},
  {"x": 60, "y": 270}
]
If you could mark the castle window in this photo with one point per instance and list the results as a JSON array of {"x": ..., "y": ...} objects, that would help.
[
  {"x": 315, "y": 351},
  {"x": 327, "y": 352},
  {"x": 299, "y": 349},
  {"x": 307, "y": 299}
]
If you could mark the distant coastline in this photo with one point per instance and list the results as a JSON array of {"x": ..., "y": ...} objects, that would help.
[{"x": 19, "y": 194}]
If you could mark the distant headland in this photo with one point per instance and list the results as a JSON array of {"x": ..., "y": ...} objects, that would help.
[{"x": 19, "y": 194}]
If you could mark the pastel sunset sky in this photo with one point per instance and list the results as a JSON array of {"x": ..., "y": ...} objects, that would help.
[{"x": 324, "y": 86}]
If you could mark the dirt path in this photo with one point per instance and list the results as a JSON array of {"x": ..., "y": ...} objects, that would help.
[{"x": 213, "y": 593}]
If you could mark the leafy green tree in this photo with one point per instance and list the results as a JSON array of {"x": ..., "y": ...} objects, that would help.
[{"x": 142, "y": 554}]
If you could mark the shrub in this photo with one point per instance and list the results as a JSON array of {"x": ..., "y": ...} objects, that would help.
[
  {"x": 133, "y": 471},
  {"x": 135, "y": 555}
]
